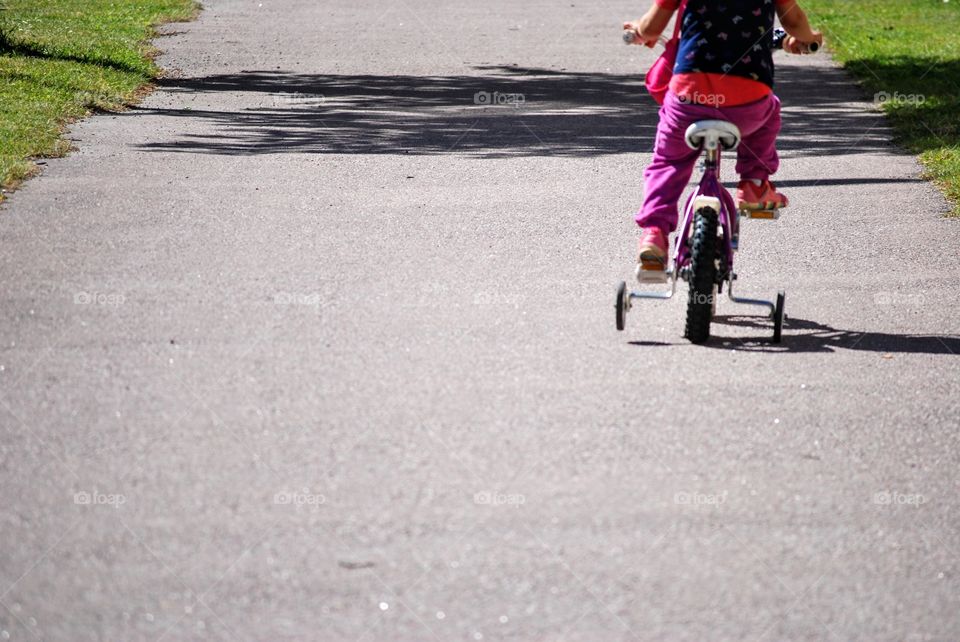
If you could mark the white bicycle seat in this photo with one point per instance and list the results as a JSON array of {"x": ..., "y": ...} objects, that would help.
[{"x": 707, "y": 134}]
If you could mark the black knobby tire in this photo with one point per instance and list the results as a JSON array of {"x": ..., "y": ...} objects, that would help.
[
  {"x": 703, "y": 276},
  {"x": 778, "y": 316},
  {"x": 621, "y": 305}
]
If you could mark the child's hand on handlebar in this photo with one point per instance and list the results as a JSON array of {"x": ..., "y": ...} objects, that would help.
[
  {"x": 634, "y": 28},
  {"x": 799, "y": 47}
]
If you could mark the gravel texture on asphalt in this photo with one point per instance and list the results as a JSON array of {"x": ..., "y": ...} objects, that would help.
[{"x": 318, "y": 343}]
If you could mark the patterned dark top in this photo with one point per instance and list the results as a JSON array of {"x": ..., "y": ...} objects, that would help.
[{"x": 729, "y": 37}]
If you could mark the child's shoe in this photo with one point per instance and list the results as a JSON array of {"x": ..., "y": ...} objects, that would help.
[
  {"x": 652, "y": 250},
  {"x": 751, "y": 196}
]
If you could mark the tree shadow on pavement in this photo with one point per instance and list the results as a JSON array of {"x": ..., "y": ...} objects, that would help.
[
  {"x": 801, "y": 335},
  {"x": 503, "y": 111}
]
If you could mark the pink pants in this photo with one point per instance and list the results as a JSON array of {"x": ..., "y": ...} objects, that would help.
[{"x": 669, "y": 172}]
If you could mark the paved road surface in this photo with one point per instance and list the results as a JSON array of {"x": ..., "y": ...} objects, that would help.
[{"x": 312, "y": 346}]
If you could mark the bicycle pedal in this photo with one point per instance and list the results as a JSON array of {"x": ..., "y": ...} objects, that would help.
[
  {"x": 652, "y": 275},
  {"x": 769, "y": 215}
]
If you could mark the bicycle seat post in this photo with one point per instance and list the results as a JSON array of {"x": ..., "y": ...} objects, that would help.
[{"x": 713, "y": 158}]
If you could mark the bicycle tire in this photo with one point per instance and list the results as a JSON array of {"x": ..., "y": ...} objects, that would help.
[{"x": 703, "y": 276}]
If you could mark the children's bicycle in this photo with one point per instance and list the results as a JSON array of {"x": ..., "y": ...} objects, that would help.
[
  {"x": 708, "y": 237},
  {"x": 705, "y": 247}
]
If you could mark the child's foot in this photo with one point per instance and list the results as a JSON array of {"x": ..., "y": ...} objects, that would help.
[
  {"x": 652, "y": 249},
  {"x": 765, "y": 196}
]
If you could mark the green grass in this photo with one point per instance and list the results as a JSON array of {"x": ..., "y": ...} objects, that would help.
[
  {"x": 909, "y": 49},
  {"x": 59, "y": 59}
]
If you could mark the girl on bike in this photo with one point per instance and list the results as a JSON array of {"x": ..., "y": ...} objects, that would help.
[{"x": 724, "y": 71}]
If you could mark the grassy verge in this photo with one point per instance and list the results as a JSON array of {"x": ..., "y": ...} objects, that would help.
[
  {"x": 906, "y": 53},
  {"x": 61, "y": 58}
]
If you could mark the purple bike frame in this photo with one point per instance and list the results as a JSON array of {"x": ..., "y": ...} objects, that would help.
[{"x": 729, "y": 219}]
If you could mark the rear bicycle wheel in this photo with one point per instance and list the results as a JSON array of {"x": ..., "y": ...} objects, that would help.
[{"x": 703, "y": 276}]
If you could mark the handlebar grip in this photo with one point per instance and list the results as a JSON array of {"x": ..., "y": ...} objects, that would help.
[
  {"x": 779, "y": 35},
  {"x": 630, "y": 36}
]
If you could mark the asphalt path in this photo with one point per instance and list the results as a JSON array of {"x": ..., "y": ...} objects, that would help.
[{"x": 318, "y": 343}]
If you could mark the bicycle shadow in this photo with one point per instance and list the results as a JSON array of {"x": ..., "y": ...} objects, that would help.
[{"x": 803, "y": 335}]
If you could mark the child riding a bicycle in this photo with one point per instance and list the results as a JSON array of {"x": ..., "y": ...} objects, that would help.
[{"x": 724, "y": 71}]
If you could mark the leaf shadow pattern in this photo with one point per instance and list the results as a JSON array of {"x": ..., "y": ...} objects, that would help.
[{"x": 500, "y": 111}]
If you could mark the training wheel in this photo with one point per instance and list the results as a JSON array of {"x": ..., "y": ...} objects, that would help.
[
  {"x": 778, "y": 316},
  {"x": 621, "y": 305}
]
